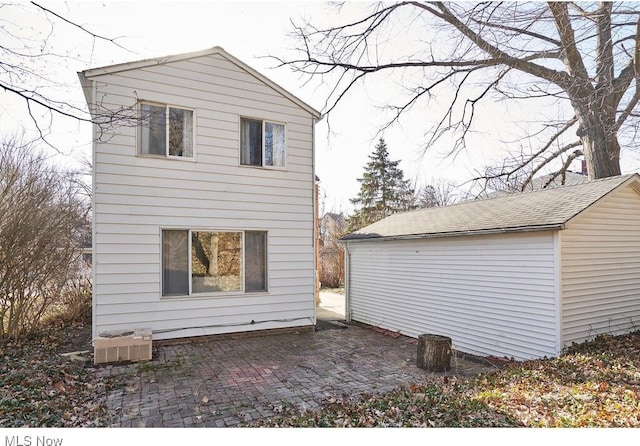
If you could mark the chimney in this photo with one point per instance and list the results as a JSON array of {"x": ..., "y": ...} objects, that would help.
[{"x": 584, "y": 167}]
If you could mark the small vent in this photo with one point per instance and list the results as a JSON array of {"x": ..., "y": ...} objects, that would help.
[{"x": 122, "y": 346}]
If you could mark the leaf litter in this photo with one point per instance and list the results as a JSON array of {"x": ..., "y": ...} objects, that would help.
[
  {"x": 40, "y": 386},
  {"x": 595, "y": 384}
]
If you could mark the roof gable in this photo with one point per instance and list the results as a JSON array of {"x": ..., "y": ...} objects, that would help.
[
  {"x": 528, "y": 211},
  {"x": 111, "y": 69}
]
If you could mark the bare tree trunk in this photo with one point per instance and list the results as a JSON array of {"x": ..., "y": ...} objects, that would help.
[
  {"x": 434, "y": 352},
  {"x": 599, "y": 143}
]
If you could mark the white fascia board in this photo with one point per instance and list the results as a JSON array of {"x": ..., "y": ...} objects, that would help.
[
  {"x": 552, "y": 227},
  {"x": 111, "y": 69}
]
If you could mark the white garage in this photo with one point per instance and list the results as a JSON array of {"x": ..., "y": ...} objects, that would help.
[{"x": 520, "y": 276}]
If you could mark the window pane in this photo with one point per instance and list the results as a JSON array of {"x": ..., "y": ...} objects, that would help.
[
  {"x": 175, "y": 263},
  {"x": 152, "y": 130},
  {"x": 180, "y": 132},
  {"x": 216, "y": 261},
  {"x": 250, "y": 142},
  {"x": 255, "y": 261},
  {"x": 273, "y": 144}
]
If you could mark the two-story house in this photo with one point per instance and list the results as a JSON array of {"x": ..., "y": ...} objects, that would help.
[{"x": 203, "y": 201}]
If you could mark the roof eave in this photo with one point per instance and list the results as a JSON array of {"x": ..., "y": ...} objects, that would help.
[{"x": 537, "y": 228}]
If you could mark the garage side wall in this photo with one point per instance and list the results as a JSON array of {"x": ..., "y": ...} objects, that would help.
[
  {"x": 601, "y": 268},
  {"x": 493, "y": 295}
]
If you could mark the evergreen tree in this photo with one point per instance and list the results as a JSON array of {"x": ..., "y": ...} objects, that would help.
[{"x": 383, "y": 190}]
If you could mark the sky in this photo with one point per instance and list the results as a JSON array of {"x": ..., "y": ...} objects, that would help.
[{"x": 251, "y": 31}]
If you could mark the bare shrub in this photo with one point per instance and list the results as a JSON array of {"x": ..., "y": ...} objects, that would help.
[
  {"x": 73, "y": 307},
  {"x": 331, "y": 262},
  {"x": 331, "y": 268},
  {"x": 41, "y": 227}
]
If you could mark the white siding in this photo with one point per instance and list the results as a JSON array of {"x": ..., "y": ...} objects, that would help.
[
  {"x": 601, "y": 268},
  {"x": 135, "y": 196},
  {"x": 493, "y": 295}
]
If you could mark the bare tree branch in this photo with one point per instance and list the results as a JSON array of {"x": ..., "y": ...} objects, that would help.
[
  {"x": 80, "y": 27},
  {"x": 468, "y": 54},
  {"x": 27, "y": 71}
]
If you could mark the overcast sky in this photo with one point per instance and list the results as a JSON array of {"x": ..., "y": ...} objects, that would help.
[{"x": 250, "y": 31}]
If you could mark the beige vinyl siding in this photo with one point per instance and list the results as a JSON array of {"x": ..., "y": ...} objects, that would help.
[
  {"x": 493, "y": 295},
  {"x": 136, "y": 197},
  {"x": 601, "y": 268}
]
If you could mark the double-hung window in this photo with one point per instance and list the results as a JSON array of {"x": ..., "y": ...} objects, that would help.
[
  {"x": 199, "y": 261},
  {"x": 165, "y": 130},
  {"x": 262, "y": 143}
]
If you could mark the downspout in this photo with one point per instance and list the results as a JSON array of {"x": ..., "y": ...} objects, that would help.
[
  {"x": 316, "y": 288},
  {"x": 557, "y": 247},
  {"x": 92, "y": 93},
  {"x": 347, "y": 282}
]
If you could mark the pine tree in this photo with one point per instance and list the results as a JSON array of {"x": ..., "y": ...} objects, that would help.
[{"x": 383, "y": 190}]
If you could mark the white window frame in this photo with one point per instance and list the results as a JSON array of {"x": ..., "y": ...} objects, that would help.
[
  {"x": 264, "y": 122},
  {"x": 190, "y": 262},
  {"x": 167, "y": 106}
]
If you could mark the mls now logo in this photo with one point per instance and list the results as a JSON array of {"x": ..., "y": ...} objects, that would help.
[{"x": 28, "y": 440}]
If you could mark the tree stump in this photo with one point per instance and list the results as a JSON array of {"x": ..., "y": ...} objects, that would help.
[{"x": 434, "y": 352}]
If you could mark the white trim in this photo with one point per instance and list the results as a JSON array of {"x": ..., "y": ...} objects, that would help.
[
  {"x": 243, "y": 262},
  {"x": 91, "y": 89},
  {"x": 519, "y": 229},
  {"x": 189, "y": 262}
]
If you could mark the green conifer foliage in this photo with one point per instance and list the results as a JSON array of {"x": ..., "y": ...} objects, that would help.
[{"x": 383, "y": 190}]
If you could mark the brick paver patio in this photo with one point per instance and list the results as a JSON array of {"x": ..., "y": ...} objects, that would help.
[{"x": 231, "y": 382}]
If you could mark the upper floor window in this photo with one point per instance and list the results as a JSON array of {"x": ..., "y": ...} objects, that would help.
[
  {"x": 262, "y": 143},
  {"x": 165, "y": 130}
]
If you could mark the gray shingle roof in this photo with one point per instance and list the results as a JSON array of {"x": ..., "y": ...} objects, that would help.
[{"x": 527, "y": 211}]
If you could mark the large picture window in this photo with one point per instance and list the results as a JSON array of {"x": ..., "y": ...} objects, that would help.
[
  {"x": 262, "y": 143},
  {"x": 195, "y": 262},
  {"x": 165, "y": 130}
]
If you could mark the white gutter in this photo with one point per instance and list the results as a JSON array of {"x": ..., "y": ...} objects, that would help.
[
  {"x": 550, "y": 227},
  {"x": 347, "y": 280}
]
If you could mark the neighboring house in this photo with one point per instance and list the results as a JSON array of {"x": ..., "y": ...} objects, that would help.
[
  {"x": 522, "y": 276},
  {"x": 203, "y": 208},
  {"x": 332, "y": 226}
]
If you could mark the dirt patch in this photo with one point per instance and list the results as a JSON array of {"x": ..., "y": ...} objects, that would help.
[
  {"x": 330, "y": 325},
  {"x": 76, "y": 339}
]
